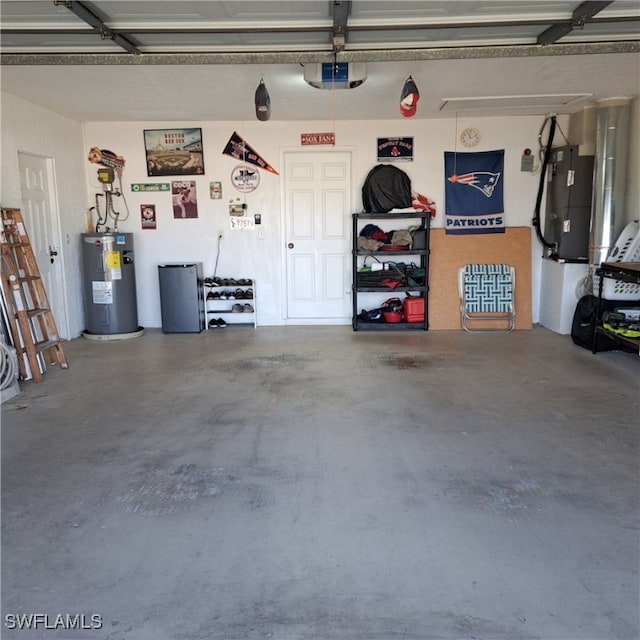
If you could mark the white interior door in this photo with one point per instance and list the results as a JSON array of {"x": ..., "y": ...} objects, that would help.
[
  {"x": 318, "y": 207},
  {"x": 42, "y": 224}
]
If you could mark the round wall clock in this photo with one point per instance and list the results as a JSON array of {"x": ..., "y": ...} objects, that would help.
[{"x": 470, "y": 137}]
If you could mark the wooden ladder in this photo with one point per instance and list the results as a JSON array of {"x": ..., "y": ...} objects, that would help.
[{"x": 30, "y": 318}]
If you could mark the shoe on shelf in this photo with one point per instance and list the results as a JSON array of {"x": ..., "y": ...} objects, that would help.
[
  {"x": 248, "y": 294},
  {"x": 239, "y": 293},
  {"x": 213, "y": 324},
  {"x": 248, "y": 308},
  {"x": 237, "y": 308},
  {"x": 221, "y": 323},
  {"x": 210, "y": 296}
]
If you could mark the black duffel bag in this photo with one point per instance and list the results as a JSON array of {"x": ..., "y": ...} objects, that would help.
[{"x": 585, "y": 321}]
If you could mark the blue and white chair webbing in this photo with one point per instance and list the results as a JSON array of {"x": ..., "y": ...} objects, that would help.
[{"x": 487, "y": 293}]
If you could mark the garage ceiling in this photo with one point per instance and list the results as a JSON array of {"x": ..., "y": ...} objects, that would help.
[{"x": 115, "y": 60}]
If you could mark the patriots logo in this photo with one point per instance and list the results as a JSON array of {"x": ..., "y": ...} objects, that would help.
[{"x": 484, "y": 181}]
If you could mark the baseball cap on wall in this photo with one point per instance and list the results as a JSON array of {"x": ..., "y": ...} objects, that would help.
[
  {"x": 409, "y": 98},
  {"x": 263, "y": 102}
]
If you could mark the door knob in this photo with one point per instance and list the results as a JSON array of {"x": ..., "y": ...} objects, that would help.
[{"x": 291, "y": 245}]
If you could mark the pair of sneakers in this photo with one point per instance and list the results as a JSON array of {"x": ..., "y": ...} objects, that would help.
[
  {"x": 217, "y": 323},
  {"x": 242, "y": 308}
]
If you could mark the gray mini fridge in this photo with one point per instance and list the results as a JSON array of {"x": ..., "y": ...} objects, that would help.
[{"x": 182, "y": 297}]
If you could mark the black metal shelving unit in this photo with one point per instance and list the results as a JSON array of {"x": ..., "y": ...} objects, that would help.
[{"x": 423, "y": 262}]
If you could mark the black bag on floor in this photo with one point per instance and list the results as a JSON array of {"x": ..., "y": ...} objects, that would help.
[{"x": 584, "y": 323}]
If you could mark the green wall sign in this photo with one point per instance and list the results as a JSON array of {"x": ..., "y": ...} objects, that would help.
[{"x": 154, "y": 186}]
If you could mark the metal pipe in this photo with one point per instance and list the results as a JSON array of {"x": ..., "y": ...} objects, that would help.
[
  {"x": 609, "y": 180},
  {"x": 293, "y": 56}
]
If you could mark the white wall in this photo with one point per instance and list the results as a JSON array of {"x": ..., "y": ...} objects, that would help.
[
  {"x": 28, "y": 127},
  {"x": 244, "y": 254}
]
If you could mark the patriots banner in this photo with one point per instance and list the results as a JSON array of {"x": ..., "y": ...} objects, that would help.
[{"x": 473, "y": 192}]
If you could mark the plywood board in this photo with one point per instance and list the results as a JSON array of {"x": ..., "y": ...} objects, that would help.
[{"x": 449, "y": 252}]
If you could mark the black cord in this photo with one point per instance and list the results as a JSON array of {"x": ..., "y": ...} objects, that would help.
[
  {"x": 543, "y": 173},
  {"x": 369, "y": 255}
]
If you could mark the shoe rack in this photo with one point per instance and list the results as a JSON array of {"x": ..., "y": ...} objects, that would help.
[{"x": 230, "y": 302}]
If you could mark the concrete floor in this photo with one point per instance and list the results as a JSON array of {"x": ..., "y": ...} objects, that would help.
[{"x": 314, "y": 483}]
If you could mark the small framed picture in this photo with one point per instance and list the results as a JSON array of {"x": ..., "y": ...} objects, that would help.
[
  {"x": 148, "y": 216},
  {"x": 215, "y": 190}
]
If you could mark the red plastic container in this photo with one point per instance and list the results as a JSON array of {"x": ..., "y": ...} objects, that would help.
[
  {"x": 392, "y": 310},
  {"x": 392, "y": 316},
  {"x": 413, "y": 309}
]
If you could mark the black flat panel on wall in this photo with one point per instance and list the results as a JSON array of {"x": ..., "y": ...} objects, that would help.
[{"x": 568, "y": 204}]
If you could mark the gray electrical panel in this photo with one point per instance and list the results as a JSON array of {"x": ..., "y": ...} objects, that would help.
[
  {"x": 568, "y": 205},
  {"x": 109, "y": 283}
]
